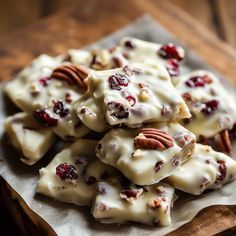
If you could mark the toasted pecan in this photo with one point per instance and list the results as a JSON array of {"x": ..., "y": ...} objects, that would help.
[
  {"x": 152, "y": 138},
  {"x": 223, "y": 141},
  {"x": 73, "y": 74}
]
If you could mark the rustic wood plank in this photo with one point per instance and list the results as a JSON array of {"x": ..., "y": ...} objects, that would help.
[
  {"x": 201, "y": 10},
  {"x": 227, "y": 16},
  {"x": 12, "y": 16},
  {"x": 75, "y": 27}
]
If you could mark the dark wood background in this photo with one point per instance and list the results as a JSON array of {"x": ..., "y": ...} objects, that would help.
[{"x": 219, "y": 16}]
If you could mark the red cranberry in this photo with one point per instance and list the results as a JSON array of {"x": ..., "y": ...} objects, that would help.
[
  {"x": 60, "y": 108},
  {"x": 68, "y": 97},
  {"x": 198, "y": 81},
  {"x": 118, "y": 111},
  {"x": 210, "y": 107},
  {"x": 222, "y": 169},
  {"x": 175, "y": 161},
  {"x": 173, "y": 67},
  {"x": 132, "y": 100},
  {"x": 43, "y": 116},
  {"x": 117, "y": 81},
  {"x": 90, "y": 180},
  {"x": 169, "y": 51},
  {"x": 44, "y": 81},
  {"x": 129, "y": 44},
  {"x": 66, "y": 172},
  {"x": 130, "y": 193},
  {"x": 187, "y": 96},
  {"x": 158, "y": 166}
]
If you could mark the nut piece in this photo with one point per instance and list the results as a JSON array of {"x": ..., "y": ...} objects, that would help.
[
  {"x": 154, "y": 203},
  {"x": 223, "y": 141},
  {"x": 151, "y": 138},
  {"x": 131, "y": 194},
  {"x": 72, "y": 74}
]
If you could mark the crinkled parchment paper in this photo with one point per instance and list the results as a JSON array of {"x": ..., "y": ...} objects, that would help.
[{"x": 67, "y": 219}]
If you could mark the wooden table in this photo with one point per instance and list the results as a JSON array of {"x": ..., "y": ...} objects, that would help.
[{"x": 81, "y": 24}]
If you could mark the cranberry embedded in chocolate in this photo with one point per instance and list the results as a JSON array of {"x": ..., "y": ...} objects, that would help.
[
  {"x": 175, "y": 161},
  {"x": 60, "y": 108},
  {"x": 169, "y": 51},
  {"x": 118, "y": 111},
  {"x": 43, "y": 116},
  {"x": 90, "y": 180},
  {"x": 158, "y": 166},
  {"x": 187, "y": 97},
  {"x": 44, "y": 81},
  {"x": 129, "y": 44},
  {"x": 222, "y": 170},
  {"x": 210, "y": 107},
  {"x": 173, "y": 67},
  {"x": 66, "y": 172},
  {"x": 132, "y": 100},
  {"x": 198, "y": 81},
  {"x": 130, "y": 193},
  {"x": 117, "y": 81}
]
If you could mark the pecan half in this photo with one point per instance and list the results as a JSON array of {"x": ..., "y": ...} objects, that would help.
[
  {"x": 73, "y": 74},
  {"x": 223, "y": 141},
  {"x": 152, "y": 138}
]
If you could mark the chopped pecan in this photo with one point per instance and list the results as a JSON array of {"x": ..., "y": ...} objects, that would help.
[
  {"x": 73, "y": 74},
  {"x": 152, "y": 138},
  {"x": 131, "y": 194},
  {"x": 154, "y": 203},
  {"x": 223, "y": 141}
]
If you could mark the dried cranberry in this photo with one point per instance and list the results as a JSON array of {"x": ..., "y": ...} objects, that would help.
[
  {"x": 158, "y": 166},
  {"x": 43, "y": 116},
  {"x": 44, "y": 81},
  {"x": 132, "y": 100},
  {"x": 187, "y": 96},
  {"x": 173, "y": 67},
  {"x": 169, "y": 51},
  {"x": 90, "y": 180},
  {"x": 66, "y": 172},
  {"x": 130, "y": 193},
  {"x": 222, "y": 169},
  {"x": 210, "y": 107},
  {"x": 198, "y": 81},
  {"x": 129, "y": 44},
  {"x": 60, "y": 108},
  {"x": 118, "y": 111},
  {"x": 175, "y": 161},
  {"x": 68, "y": 97},
  {"x": 117, "y": 81}
]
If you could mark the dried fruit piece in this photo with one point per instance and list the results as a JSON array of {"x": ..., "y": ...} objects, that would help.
[
  {"x": 131, "y": 99},
  {"x": 44, "y": 81},
  {"x": 210, "y": 107},
  {"x": 151, "y": 138},
  {"x": 170, "y": 51},
  {"x": 118, "y": 111},
  {"x": 198, "y": 81},
  {"x": 60, "y": 108},
  {"x": 173, "y": 67},
  {"x": 66, "y": 172},
  {"x": 43, "y": 116},
  {"x": 129, "y": 44},
  {"x": 131, "y": 194},
  {"x": 222, "y": 170},
  {"x": 158, "y": 166},
  {"x": 72, "y": 74},
  {"x": 117, "y": 81}
]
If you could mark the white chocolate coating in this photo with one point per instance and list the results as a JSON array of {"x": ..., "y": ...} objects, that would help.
[
  {"x": 81, "y": 155},
  {"x": 28, "y": 137},
  {"x": 202, "y": 171},
  {"x": 110, "y": 207},
  {"x": 155, "y": 97},
  {"x": 139, "y": 165},
  {"x": 222, "y": 118},
  {"x": 31, "y": 90}
]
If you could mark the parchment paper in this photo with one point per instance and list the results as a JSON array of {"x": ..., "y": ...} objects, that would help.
[{"x": 67, "y": 219}]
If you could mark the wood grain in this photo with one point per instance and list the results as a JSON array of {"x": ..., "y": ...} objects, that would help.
[{"x": 81, "y": 25}]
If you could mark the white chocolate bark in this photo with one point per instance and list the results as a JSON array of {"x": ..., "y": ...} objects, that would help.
[
  {"x": 89, "y": 113},
  {"x": 206, "y": 169},
  {"x": 32, "y": 89},
  {"x": 28, "y": 137},
  {"x": 206, "y": 121},
  {"x": 145, "y": 166},
  {"x": 89, "y": 170},
  {"x": 148, "y": 204},
  {"x": 147, "y": 95}
]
